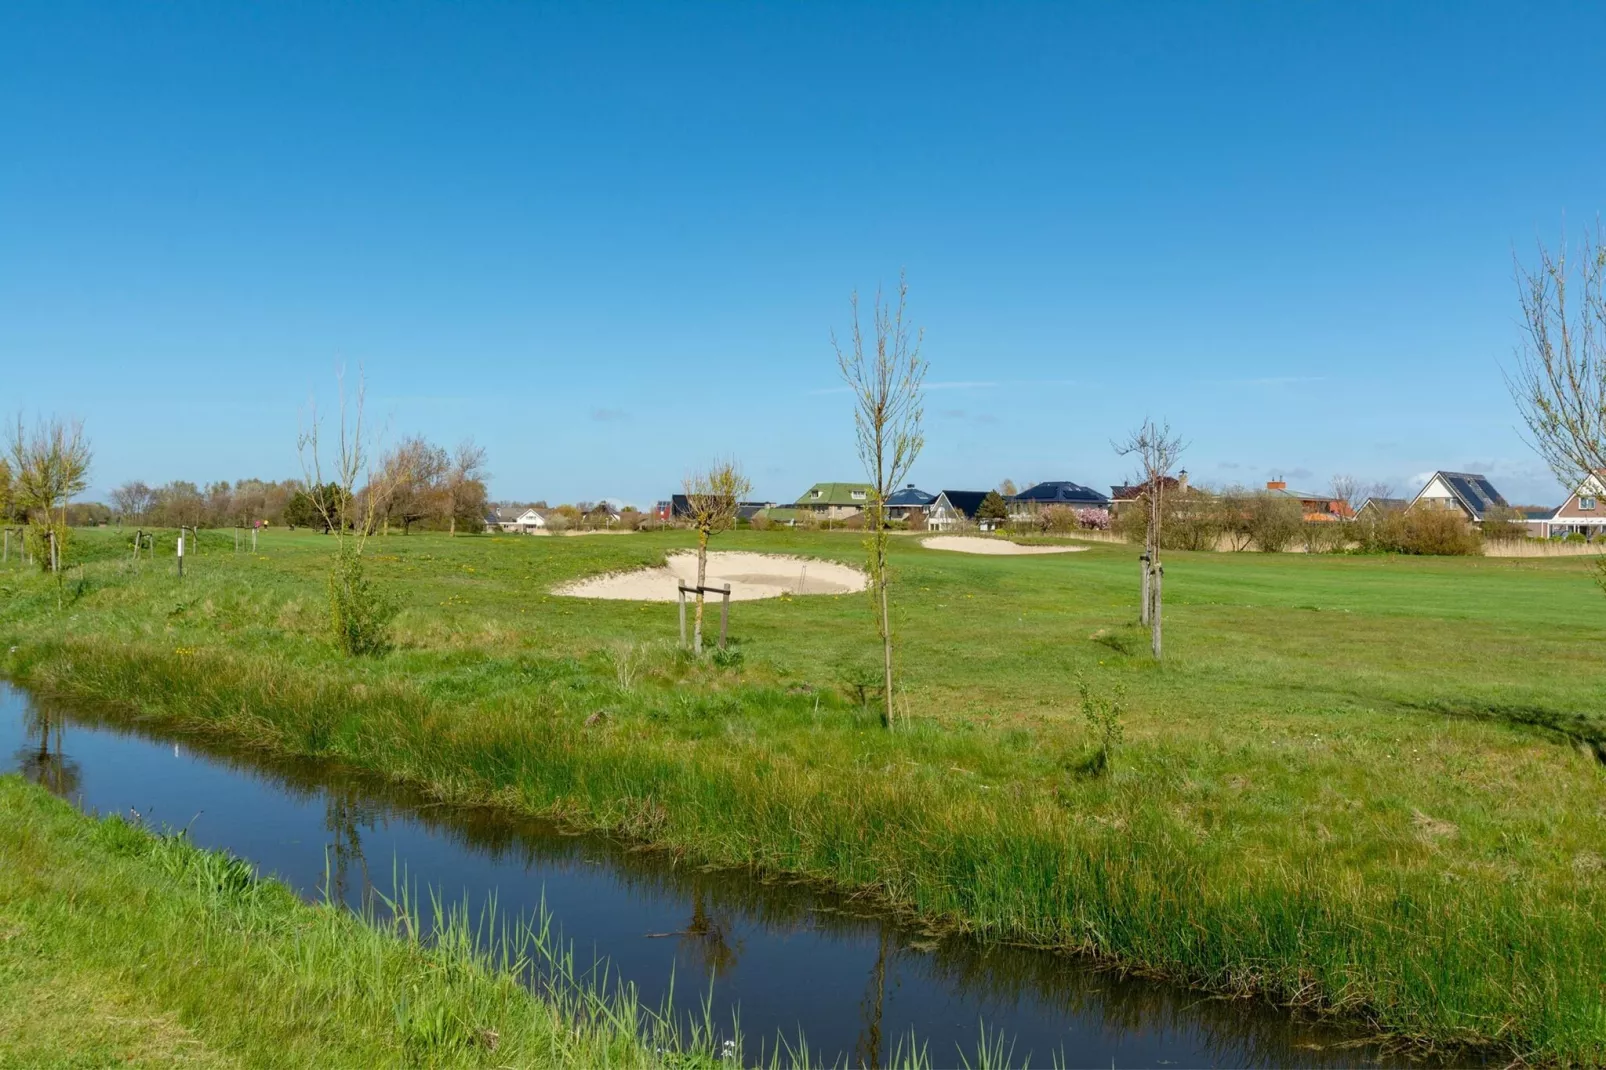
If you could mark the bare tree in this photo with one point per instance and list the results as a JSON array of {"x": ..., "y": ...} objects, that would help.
[
  {"x": 1349, "y": 490},
  {"x": 410, "y": 484},
  {"x": 132, "y": 501},
  {"x": 48, "y": 466},
  {"x": 712, "y": 497},
  {"x": 1007, "y": 488},
  {"x": 359, "y": 615},
  {"x": 1156, "y": 450},
  {"x": 1559, "y": 382},
  {"x": 887, "y": 384},
  {"x": 465, "y": 480}
]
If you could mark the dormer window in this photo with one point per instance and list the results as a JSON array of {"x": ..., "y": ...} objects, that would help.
[
  {"x": 816, "y": 493},
  {"x": 857, "y": 495},
  {"x": 1587, "y": 503}
]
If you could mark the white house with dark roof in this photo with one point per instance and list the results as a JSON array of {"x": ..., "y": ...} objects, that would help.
[
  {"x": 1470, "y": 492},
  {"x": 515, "y": 519}
]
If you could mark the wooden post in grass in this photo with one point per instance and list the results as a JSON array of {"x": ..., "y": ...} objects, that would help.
[
  {"x": 55, "y": 558},
  {"x": 181, "y": 553},
  {"x": 724, "y": 616},
  {"x": 254, "y": 530},
  {"x": 1158, "y": 615},
  {"x": 683, "y": 616},
  {"x": 1143, "y": 605}
]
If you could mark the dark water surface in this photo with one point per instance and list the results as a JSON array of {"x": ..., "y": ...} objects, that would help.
[{"x": 783, "y": 959}]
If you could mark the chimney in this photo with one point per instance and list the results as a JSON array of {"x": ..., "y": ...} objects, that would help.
[
  {"x": 1276, "y": 484},
  {"x": 1182, "y": 479}
]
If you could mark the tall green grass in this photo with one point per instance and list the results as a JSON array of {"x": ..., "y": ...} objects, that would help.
[{"x": 1288, "y": 814}]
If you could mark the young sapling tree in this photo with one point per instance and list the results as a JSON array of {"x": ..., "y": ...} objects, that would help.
[
  {"x": 886, "y": 379},
  {"x": 712, "y": 497},
  {"x": 1157, "y": 451}
]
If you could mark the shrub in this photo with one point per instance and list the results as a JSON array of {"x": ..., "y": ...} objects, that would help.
[
  {"x": 1059, "y": 519},
  {"x": 1323, "y": 536},
  {"x": 1442, "y": 532},
  {"x": 1094, "y": 519},
  {"x": 359, "y": 615},
  {"x": 1273, "y": 522},
  {"x": 1504, "y": 524},
  {"x": 761, "y": 523}
]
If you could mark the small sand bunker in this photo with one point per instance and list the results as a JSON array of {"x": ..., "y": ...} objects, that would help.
[
  {"x": 751, "y": 576},
  {"x": 970, "y": 544}
]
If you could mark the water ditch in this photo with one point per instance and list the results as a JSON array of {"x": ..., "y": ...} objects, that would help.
[{"x": 782, "y": 959}]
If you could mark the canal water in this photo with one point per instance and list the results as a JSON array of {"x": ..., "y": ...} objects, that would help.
[{"x": 782, "y": 960}]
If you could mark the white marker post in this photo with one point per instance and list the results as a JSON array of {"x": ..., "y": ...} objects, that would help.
[{"x": 181, "y": 557}]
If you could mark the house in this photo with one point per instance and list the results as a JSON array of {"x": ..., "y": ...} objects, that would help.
[
  {"x": 1583, "y": 513},
  {"x": 679, "y": 508},
  {"x": 1129, "y": 493},
  {"x": 910, "y": 500},
  {"x": 1039, "y": 496},
  {"x": 515, "y": 519},
  {"x": 1469, "y": 492},
  {"x": 1540, "y": 521},
  {"x": 1318, "y": 508},
  {"x": 1374, "y": 507},
  {"x": 953, "y": 508},
  {"x": 835, "y": 501}
]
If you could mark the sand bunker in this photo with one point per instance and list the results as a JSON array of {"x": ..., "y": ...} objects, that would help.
[
  {"x": 751, "y": 576},
  {"x": 970, "y": 544}
]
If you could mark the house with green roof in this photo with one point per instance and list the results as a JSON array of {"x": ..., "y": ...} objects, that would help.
[{"x": 835, "y": 501}]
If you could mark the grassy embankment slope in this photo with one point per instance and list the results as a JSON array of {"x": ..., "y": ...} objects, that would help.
[
  {"x": 1356, "y": 782},
  {"x": 119, "y": 948}
]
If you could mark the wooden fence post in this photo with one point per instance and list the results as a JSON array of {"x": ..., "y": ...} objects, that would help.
[
  {"x": 724, "y": 616},
  {"x": 1143, "y": 609}
]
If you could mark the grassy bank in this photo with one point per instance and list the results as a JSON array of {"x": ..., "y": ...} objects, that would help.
[
  {"x": 119, "y": 947},
  {"x": 1357, "y": 783}
]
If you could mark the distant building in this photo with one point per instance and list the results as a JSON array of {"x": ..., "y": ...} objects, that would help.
[
  {"x": 1375, "y": 508},
  {"x": 953, "y": 508},
  {"x": 835, "y": 501},
  {"x": 1319, "y": 508},
  {"x": 1583, "y": 513},
  {"x": 1127, "y": 494},
  {"x": 1469, "y": 492},
  {"x": 1039, "y": 496},
  {"x": 903, "y": 504},
  {"x": 516, "y": 519}
]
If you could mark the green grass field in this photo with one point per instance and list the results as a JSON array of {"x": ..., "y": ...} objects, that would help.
[
  {"x": 1363, "y": 783},
  {"x": 121, "y": 948}
]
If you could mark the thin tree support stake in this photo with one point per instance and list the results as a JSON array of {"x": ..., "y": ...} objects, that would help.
[
  {"x": 724, "y": 616},
  {"x": 683, "y": 617}
]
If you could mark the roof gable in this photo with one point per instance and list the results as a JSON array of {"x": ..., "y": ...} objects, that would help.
[
  {"x": 854, "y": 494},
  {"x": 1471, "y": 490},
  {"x": 965, "y": 502}
]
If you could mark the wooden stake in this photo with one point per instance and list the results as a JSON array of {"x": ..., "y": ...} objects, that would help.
[
  {"x": 683, "y": 617},
  {"x": 724, "y": 616},
  {"x": 1143, "y": 602}
]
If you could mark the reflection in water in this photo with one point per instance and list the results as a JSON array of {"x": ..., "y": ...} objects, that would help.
[
  {"x": 45, "y": 762},
  {"x": 789, "y": 959}
]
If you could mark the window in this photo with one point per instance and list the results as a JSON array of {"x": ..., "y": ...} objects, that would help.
[
  {"x": 857, "y": 495},
  {"x": 1586, "y": 503},
  {"x": 816, "y": 493}
]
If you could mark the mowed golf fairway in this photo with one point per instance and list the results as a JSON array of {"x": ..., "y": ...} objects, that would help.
[{"x": 1362, "y": 783}]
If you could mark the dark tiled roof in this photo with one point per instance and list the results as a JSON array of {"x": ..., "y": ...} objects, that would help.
[
  {"x": 910, "y": 495},
  {"x": 1061, "y": 491},
  {"x": 1539, "y": 514},
  {"x": 966, "y": 501},
  {"x": 1386, "y": 504},
  {"x": 1474, "y": 491}
]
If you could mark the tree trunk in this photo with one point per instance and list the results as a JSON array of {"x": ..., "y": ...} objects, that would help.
[
  {"x": 886, "y": 644},
  {"x": 452, "y": 530},
  {"x": 702, "y": 574}
]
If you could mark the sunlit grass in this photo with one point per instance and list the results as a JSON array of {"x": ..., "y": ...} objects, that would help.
[{"x": 1358, "y": 783}]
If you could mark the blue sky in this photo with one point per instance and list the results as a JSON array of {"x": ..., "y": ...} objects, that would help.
[{"x": 611, "y": 241}]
